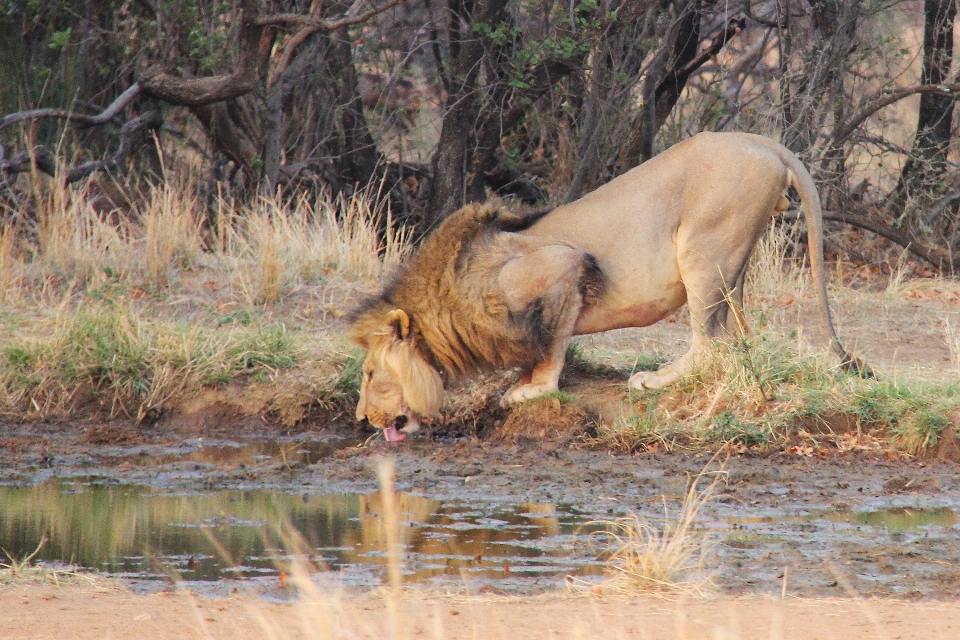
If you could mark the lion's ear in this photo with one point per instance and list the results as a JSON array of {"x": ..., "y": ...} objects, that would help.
[{"x": 400, "y": 322}]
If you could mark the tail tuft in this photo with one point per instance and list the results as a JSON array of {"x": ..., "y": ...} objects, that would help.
[{"x": 856, "y": 366}]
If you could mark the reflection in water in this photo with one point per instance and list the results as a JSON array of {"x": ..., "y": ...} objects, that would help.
[
  {"x": 249, "y": 452},
  {"x": 899, "y": 518},
  {"x": 144, "y": 532},
  {"x": 892, "y": 519}
]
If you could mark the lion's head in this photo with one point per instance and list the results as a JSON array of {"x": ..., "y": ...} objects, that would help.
[{"x": 399, "y": 387}]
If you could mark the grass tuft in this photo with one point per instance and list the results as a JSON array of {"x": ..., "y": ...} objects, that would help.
[
  {"x": 666, "y": 558},
  {"x": 21, "y": 570},
  {"x": 132, "y": 364}
]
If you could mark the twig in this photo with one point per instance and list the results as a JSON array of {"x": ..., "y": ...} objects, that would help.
[
  {"x": 885, "y": 99},
  {"x": 328, "y": 24}
]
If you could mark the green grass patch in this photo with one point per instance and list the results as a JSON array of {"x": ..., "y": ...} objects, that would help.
[
  {"x": 134, "y": 364},
  {"x": 759, "y": 393}
]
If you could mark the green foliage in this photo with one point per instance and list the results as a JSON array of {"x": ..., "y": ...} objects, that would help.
[
  {"x": 727, "y": 427},
  {"x": 344, "y": 391},
  {"x": 59, "y": 39},
  {"x": 646, "y": 362}
]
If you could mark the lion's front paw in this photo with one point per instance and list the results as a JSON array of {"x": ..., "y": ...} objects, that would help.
[
  {"x": 654, "y": 379},
  {"x": 522, "y": 392}
]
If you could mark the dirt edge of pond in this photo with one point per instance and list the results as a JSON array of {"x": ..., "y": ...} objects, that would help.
[{"x": 572, "y": 418}]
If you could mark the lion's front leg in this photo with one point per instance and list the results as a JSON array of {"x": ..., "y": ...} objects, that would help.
[
  {"x": 548, "y": 279},
  {"x": 544, "y": 378}
]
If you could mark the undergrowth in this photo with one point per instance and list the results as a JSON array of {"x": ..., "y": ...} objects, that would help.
[{"x": 131, "y": 311}]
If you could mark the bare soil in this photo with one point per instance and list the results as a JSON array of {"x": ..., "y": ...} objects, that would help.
[{"x": 39, "y": 612}]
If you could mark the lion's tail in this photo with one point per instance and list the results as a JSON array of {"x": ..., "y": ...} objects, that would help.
[{"x": 802, "y": 181}]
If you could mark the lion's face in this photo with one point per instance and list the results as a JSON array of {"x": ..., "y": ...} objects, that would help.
[{"x": 399, "y": 388}]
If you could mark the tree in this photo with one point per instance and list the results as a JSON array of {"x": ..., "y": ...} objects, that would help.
[{"x": 922, "y": 176}]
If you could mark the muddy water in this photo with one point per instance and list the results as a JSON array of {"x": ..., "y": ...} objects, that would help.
[
  {"x": 138, "y": 532},
  {"x": 151, "y": 536},
  {"x": 210, "y": 513}
]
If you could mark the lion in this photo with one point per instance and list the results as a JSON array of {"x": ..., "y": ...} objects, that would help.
[{"x": 490, "y": 289}]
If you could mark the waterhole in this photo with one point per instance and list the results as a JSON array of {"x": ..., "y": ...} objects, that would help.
[{"x": 143, "y": 533}]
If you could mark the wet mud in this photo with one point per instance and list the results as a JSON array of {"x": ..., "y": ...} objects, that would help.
[{"x": 226, "y": 513}]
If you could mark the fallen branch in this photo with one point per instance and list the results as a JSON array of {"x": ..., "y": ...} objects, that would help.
[
  {"x": 937, "y": 258},
  {"x": 44, "y": 161}
]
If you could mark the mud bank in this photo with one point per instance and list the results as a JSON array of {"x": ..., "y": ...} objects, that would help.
[{"x": 857, "y": 523}]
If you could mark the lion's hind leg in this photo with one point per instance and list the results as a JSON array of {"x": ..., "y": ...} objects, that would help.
[{"x": 715, "y": 298}]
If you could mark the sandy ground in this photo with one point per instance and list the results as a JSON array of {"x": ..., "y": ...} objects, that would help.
[{"x": 84, "y": 612}]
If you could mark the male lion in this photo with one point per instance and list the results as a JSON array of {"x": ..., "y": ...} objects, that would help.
[{"x": 488, "y": 289}]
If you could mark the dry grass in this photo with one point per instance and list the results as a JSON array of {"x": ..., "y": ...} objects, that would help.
[
  {"x": 265, "y": 250},
  {"x": 271, "y": 249},
  {"x": 171, "y": 232},
  {"x": 759, "y": 392},
  {"x": 665, "y": 558},
  {"x": 20, "y": 570},
  {"x": 774, "y": 272},
  {"x": 141, "y": 307},
  {"x": 952, "y": 337},
  {"x": 9, "y": 267}
]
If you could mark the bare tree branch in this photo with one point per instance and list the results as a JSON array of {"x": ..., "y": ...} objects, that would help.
[
  {"x": 732, "y": 28},
  {"x": 938, "y": 258},
  {"x": 313, "y": 23},
  {"x": 43, "y": 160},
  {"x": 195, "y": 92},
  {"x": 328, "y": 24},
  {"x": 886, "y": 99},
  {"x": 104, "y": 116}
]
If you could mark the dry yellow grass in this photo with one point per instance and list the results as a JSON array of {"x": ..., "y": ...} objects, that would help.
[
  {"x": 667, "y": 557},
  {"x": 150, "y": 305},
  {"x": 773, "y": 272}
]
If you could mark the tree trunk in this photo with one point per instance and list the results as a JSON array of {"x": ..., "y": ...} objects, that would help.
[
  {"x": 277, "y": 97},
  {"x": 360, "y": 156},
  {"x": 668, "y": 76},
  {"x": 927, "y": 163},
  {"x": 448, "y": 187}
]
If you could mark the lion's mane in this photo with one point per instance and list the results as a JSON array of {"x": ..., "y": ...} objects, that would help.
[{"x": 458, "y": 315}]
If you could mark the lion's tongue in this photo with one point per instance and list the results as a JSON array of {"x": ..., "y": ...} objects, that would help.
[{"x": 393, "y": 434}]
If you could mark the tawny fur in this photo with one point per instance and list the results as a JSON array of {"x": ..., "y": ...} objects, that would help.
[{"x": 488, "y": 289}]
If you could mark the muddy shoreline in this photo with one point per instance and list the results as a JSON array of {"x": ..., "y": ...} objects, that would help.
[{"x": 842, "y": 524}]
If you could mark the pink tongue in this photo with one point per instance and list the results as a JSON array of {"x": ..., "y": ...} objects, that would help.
[{"x": 393, "y": 435}]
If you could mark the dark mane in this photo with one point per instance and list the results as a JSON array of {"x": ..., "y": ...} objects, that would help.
[{"x": 458, "y": 313}]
